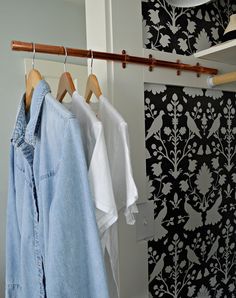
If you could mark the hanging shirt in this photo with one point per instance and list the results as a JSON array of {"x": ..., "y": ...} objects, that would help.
[
  {"x": 125, "y": 191},
  {"x": 117, "y": 143},
  {"x": 97, "y": 162},
  {"x": 53, "y": 246}
]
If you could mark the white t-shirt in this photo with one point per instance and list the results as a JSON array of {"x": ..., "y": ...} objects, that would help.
[
  {"x": 97, "y": 161},
  {"x": 117, "y": 143},
  {"x": 124, "y": 188}
]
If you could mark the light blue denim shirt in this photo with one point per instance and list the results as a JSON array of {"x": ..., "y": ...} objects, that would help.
[{"x": 53, "y": 246}]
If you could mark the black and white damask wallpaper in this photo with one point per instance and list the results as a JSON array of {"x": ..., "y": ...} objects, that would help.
[
  {"x": 191, "y": 177},
  {"x": 184, "y": 30},
  {"x": 190, "y": 161}
]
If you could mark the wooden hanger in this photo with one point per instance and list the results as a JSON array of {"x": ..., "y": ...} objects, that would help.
[
  {"x": 66, "y": 83},
  {"x": 32, "y": 81},
  {"x": 92, "y": 86}
]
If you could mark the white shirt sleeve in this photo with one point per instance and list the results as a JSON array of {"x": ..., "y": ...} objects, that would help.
[
  {"x": 131, "y": 190},
  {"x": 101, "y": 184}
]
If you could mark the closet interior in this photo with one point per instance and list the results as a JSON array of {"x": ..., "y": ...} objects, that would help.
[{"x": 122, "y": 163}]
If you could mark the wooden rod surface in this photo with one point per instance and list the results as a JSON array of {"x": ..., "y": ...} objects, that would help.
[
  {"x": 223, "y": 79},
  {"x": 59, "y": 50}
]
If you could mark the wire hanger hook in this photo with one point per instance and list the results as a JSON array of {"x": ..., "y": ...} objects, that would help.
[
  {"x": 91, "y": 65},
  {"x": 33, "y": 45},
  {"x": 65, "y": 58}
]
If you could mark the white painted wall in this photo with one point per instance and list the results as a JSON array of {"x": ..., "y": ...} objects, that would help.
[{"x": 55, "y": 22}]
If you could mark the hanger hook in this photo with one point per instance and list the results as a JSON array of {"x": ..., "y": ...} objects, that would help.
[
  {"x": 91, "y": 65},
  {"x": 33, "y": 45},
  {"x": 65, "y": 58}
]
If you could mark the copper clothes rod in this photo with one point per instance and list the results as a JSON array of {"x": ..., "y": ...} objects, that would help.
[{"x": 124, "y": 58}]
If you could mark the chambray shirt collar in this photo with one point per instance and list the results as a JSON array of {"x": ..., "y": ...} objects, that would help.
[{"x": 23, "y": 131}]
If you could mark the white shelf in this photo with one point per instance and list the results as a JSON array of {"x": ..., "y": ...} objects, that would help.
[{"x": 224, "y": 53}]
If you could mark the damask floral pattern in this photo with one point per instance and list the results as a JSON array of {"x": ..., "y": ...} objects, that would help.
[
  {"x": 184, "y": 30},
  {"x": 191, "y": 177}
]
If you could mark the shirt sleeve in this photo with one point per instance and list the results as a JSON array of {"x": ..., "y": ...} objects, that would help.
[
  {"x": 74, "y": 263},
  {"x": 101, "y": 184},
  {"x": 13, "y": 237},
  {"x": 131, "y": 189}
]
